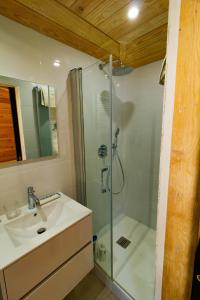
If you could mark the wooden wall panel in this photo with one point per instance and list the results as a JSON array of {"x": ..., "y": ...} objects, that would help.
[
  {"x": 183, "y": 197},
  {"x": 7, "y": 138}
]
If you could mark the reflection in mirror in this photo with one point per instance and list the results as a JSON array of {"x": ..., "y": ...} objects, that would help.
[{"x": 28, "y": 124}]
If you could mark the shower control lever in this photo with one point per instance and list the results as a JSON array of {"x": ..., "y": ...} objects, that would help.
[
  {"x": 103, "y": 186},
  {"x": 103, "y": 151}
]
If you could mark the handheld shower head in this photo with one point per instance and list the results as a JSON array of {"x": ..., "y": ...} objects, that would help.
[
  {"x": 117, "y": 132},
  {"x": 116, "y": 138}
]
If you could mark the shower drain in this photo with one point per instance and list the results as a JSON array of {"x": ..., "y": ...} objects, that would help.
[{"x": 123, "y": 242}]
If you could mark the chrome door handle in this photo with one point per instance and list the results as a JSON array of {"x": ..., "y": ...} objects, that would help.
[{"x": 103, "y": 186}]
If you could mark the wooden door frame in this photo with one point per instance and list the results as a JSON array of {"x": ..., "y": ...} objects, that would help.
[
  {"x": 19, "y": 117},
  {"x": 167, "y": 121},
  {"x": 180, "y": 160},
  {"x": 20, "y": 122},
  {"x": 13, "y": 104}
]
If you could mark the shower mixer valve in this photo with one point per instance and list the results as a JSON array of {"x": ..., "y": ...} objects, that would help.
[{"x": 102, "y": 151}]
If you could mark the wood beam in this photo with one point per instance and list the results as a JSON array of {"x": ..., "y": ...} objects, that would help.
[
  {"x": 29, "y": 18},
  {"x": 183, "y": 195},
  {"x": 54, "y": 19},
  {"x": 62, "y": 16}
]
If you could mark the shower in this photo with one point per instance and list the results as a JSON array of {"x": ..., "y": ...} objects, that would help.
[
  {"x": 116, "y": 71},
  {"x": 118, "y": 168}
]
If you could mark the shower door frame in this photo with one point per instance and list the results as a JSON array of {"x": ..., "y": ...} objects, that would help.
[{"x": 111, "y": 167}]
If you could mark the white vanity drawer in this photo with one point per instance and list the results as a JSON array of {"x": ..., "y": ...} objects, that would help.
[
  {"x": 59, "y": 284},
  {"x": 30, "y": 270}
]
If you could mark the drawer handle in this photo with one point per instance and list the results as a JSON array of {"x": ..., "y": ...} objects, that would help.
[{"x": 198, "y": 278}]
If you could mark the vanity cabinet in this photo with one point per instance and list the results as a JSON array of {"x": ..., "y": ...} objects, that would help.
[{"x": 54, "y": 268}]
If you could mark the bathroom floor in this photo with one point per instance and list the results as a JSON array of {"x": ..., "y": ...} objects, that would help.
[
  {"x": 133, "y": 267},
  {"x": 91, "y": 288}
]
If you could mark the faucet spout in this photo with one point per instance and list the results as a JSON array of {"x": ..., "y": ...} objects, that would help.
[{"x": 34, "y": 201}]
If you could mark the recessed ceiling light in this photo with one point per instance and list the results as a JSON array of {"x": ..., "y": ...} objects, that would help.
[
  {"x": 133, "y": 12},
  {"x": 56, "y": 63}
]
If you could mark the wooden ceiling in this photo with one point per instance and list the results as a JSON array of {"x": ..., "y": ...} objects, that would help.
[{"x": 98, "y": 27}]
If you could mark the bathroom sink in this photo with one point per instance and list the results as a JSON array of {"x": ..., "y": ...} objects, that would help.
[
  {"x": 35, "y": 227},
  {"x": 31, "y": 225}
]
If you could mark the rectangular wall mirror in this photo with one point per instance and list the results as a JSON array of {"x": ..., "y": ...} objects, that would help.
[{"x": 28, "y": 124}]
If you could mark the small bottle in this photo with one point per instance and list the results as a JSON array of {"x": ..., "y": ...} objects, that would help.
[{"x": 102, "y": 252}]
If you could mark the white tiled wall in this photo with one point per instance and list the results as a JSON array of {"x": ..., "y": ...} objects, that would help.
[{"x": 28, "y": 55}]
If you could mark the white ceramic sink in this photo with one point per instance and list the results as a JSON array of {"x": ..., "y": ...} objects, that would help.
[
  {"x": 31, "y": 225},
  {"x": 27, "y": 226}
]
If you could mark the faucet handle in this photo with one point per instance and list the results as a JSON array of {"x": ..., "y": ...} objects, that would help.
[{"x": 30, "y": 190}]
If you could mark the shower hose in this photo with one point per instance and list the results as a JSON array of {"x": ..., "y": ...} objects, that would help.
[{"x": 115, "y": 158}]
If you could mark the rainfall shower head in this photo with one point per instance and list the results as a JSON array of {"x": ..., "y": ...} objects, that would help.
[
  {"x": 121, "y": 70},
  {"x": 117, "y": 71}
]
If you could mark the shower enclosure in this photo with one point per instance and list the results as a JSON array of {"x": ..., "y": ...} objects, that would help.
[{"x": 120, "y": 113}]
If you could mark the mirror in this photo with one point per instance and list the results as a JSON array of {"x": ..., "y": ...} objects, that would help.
[{"x": 28, "y": 125}]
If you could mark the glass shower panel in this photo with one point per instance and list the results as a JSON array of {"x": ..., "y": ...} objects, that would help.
[
  {"x": 137, "y": 120},
  {"x": 97, "y": 135}
]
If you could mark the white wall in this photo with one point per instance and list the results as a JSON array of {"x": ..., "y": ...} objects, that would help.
[{"x": 28, "y": 55}]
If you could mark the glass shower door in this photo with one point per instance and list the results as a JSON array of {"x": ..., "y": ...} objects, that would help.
[
  {"x": 97, "y": 113},
  {"x": 137, "y": 122}
]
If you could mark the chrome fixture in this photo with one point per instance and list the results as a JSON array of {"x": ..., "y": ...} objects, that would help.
[
  {"x": 33, "y": 200},
  {"x": 103, "y": 151},
  {"x": 103, "y": 185},
  {"x": 117, "y": 70}
]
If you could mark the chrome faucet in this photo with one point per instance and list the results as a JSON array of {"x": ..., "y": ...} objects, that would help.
[{"x": 33, "y": 200}]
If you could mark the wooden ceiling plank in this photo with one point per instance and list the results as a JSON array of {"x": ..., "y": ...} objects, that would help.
[
  {"x": 67, "y": 3},
  {"x": 148, "y": 10},
  {"x": 145, "y": 28},
  {"x": 136, "y": 63},
  {"x": 106, "y": 10},
  {"x": 27, "y": 17},
  {"x": 140, "y": 56},
  {"x": 158, "y": 34},
  {"x": 81, "y": 7},
  {"x": 65, "y": 18},
  {"x": 139, "y": 50},
  {"x": 147, "y": 48}
]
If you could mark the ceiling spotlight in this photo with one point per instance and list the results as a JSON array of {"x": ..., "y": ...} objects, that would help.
[
  {"x": 133, "y": 12},
  {"x": 56, "y": 63}
]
